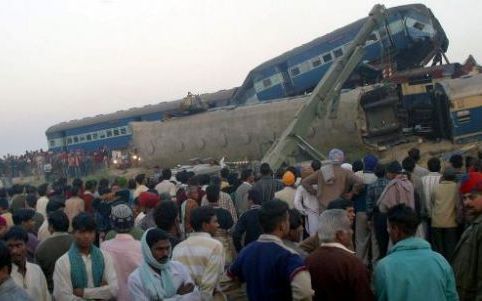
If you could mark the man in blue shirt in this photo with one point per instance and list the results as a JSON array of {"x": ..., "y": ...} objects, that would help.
[
  {"x": 411, "y": 270},
  {"x": 271, "y": 270}
]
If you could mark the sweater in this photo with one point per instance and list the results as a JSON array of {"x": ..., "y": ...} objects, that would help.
[
  {"x": 337, "y": 274},
  {"x": 412, "y": 271}
]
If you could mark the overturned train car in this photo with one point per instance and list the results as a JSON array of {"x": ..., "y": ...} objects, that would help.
[{"x": 384, "y": 118}]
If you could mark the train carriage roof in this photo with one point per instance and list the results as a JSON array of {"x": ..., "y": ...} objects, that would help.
[
  {"x": 463, "y": 87},
  {"x": 221, "y": 96}
]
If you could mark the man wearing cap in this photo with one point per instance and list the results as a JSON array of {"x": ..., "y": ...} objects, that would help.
[
  {"x": 148, "y": 201},
  {"x": 467, "y": 257},
  {"x": 124, "y": 249},
  {"x": 287, "y": 194},
  {"x": 332, "y": 180}
]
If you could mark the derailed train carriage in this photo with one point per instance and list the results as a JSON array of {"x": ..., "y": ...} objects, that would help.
[
  {"x": 442, "y": 114},
  {"x": 410, "y": 36}
]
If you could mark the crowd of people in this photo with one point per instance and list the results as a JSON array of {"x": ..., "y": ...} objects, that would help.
[
  {"x": 71, "y": 164},
  {"x": 328, "y": 231}
]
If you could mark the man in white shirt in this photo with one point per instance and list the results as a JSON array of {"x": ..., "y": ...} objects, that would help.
[
  {"x": 140, "y": 185},
  {"x": 43, "y": 200},
  {"x": 166, "y": 186},
  {"x": 25, "y": 274},
  {"x": 84, "y": 272}
]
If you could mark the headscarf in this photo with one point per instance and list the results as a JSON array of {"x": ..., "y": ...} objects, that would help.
[
  {"x": 156, "y": 289},
  {"x": 148, "y": 199},
  {"x": 336, "y": 156},
  {"x": 122, "y": 217},
  {"x": 289, "y": 178}
]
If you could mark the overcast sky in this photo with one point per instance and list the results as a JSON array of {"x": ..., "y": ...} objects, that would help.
[{"x": 63, "y": 60}]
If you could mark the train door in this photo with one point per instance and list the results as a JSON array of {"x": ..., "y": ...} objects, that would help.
[{"x": 288, "y": 87}]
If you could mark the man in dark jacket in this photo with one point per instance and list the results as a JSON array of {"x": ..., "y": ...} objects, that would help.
[
  {"x": 467, "y": 257},
  {"x": 266, "y": 185},
  {"x": 248, "y": 223}
]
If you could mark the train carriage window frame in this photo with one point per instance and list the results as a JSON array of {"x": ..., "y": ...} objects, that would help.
[
  {"x": 102, "y": 135},
  {"x": 372, "y": 37},
  {"x": 108, "y": 133},
  {"x": 418, "y": 25},
  {"x": 81, "y": 138},
  {"x": 295, "y": 71},
  {"x": 116, "y": 132},
  {"x": 75, "y": 139},
  {"x": 338, "y": 52},
  {"x": 88, "y": 137},
  {"x": 267, "y": 82},
  {"x": 69, "y": 141},
  {"x": 52, "y": 143},
  {"x": 94, "y": 136},
  {"x": 316, "y": 62},
  {"x": 123, "y": 130},
  {"x": 327, "y": 57}
]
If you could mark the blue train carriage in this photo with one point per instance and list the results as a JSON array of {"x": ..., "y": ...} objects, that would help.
[
  {"x": 463, "y": 99},
  {"x": 109, "y": 130},
  {"x": 113, "y": 131},
  {"x": 410, "y": 37}
]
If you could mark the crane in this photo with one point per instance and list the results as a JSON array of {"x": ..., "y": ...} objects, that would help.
[{"x": 323, "y": 100}]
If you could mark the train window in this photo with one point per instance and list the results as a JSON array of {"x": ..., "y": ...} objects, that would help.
[
  {"x": 116, "y": 132},
  {"x": 94, "y": 136},
  {"x": 295, "y": 71},
  {"x": 338, "y": 52},
  {"x": 463, "y": 116},
  {"x": 327, "y": 57},
  {"x": 419, "y": 26},
  {"x": 109, "y": 133},
  {"x": 316, "y": 62},
  {"x": 123, "y": 130},
  {"x": 76, "y": 139},
  {"x": 69, "y": 141},
  {"x": 267, "y": 83},
  {"x": 88, "y": 137},
  {"x": 82, "y": 138},
  {"x": 102, "y": 135},
  {"x": 52, "y": 143}
]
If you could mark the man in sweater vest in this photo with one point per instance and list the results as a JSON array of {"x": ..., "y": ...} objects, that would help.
[{"x": 271, "y": 270}]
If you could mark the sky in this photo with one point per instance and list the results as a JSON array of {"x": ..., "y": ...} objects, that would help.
[{"x": 67, "y": 59}]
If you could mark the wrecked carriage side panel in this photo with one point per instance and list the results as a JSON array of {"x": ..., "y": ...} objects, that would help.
[{"x": 242, "y": 133}]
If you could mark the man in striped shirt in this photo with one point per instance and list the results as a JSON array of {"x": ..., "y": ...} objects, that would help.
[{"x": 202, "y": 254}]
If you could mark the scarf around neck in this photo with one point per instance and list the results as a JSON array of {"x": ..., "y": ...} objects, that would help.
[
  {"x": 156, "y": 289},
  {"x": 78, "y": 272}
]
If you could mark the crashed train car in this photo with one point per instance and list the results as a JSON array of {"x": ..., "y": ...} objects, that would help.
[
  {"x": 385, "y": 119},
  {"x": 410, "y": 36}
]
